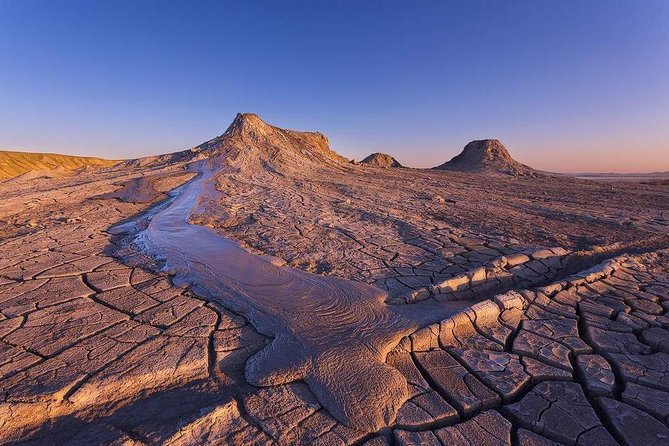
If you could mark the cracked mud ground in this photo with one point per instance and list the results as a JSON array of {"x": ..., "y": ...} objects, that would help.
[{"x": 564, "y": 284}]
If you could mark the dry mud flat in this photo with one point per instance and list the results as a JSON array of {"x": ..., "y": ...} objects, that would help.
[{"x": 562, "y": 285}]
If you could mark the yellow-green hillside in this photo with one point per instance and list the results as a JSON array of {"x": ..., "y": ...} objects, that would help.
[{"x": 16, "y": 163}]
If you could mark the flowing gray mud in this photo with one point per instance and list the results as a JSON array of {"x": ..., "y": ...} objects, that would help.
[{"x": 331, "y": 333}]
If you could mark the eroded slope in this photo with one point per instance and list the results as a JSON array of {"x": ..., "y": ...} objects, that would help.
[{"x": 13, "y": 164}]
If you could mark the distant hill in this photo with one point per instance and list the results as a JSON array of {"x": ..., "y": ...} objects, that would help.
[
  {"x": 381, "y": 160},
  {"x": 13, "y": 164},
  {"x": 486, "y": 156}
]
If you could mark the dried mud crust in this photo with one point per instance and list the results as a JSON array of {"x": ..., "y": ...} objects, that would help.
[
  {"x": 97, "y": 352},
  {"x": 405, "y": 230},
  {"x": 575, "y": 362}
]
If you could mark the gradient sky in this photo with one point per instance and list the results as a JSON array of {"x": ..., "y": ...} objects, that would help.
[{"x": 566, "y": 85}]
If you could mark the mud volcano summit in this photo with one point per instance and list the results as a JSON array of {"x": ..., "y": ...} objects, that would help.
[
  {"x": 259, "y": 288},
  {"x": 249, "y": 137}
]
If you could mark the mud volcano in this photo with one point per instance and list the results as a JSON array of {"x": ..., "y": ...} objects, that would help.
[
  {"x": 487, "y": 156},
  {"x": 381, "y": 160}
]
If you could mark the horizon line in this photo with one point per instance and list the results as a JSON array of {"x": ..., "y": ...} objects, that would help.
[{"x": 573, "y": 173}]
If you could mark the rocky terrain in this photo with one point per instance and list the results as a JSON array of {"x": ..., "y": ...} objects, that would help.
[{"x": 367, "y": 306}]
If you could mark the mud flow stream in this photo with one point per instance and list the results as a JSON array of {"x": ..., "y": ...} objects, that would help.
[{"x": 331, "y": 333}]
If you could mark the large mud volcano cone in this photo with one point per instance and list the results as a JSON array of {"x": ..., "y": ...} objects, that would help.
[
  {"x": 250, "y": 140},
  {"x": 486, "y": 156},
  {"x": 252, "y": 145}
]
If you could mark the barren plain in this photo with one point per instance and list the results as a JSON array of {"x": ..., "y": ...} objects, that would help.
[{"x": 261, "y": 289}]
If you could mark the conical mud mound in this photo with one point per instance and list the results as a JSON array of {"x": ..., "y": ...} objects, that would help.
[
  {"x": 381, "y": 160},
  {"x": 487, "y": 156}
]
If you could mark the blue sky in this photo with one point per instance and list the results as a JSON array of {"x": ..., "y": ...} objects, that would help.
[{"x": 566, "y": 85}]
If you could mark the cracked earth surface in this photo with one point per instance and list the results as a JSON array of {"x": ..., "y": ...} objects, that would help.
[{"x": 562, "y": 334}]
